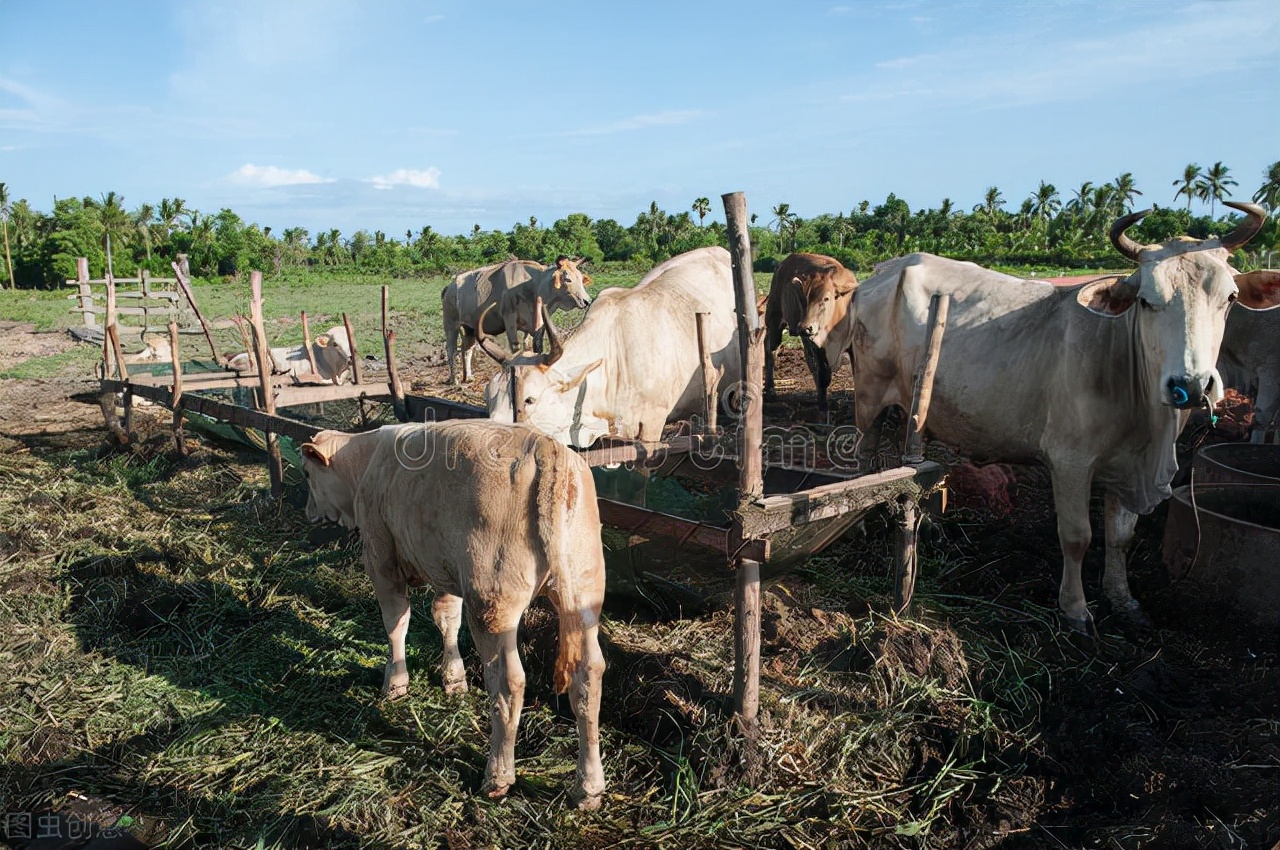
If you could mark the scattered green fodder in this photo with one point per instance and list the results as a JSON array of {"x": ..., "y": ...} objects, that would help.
[{"x": 176, "y": 642}]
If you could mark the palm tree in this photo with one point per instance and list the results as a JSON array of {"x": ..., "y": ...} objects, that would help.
[
  {"x": 1045, "y": 202},
  {"x": 5, "y": 211},
  {"x": 783, "y": 217},
  {"x": 992, "y": 201},
  {"x": 1213, "y": 185},
  {"x": 1269, "y": 194},
  {"x": 1189, "y": 184},
  {"x": 113, "y": 220},
  {"x": 1084, "y": 197},
  {"x": 701, "y": 206},
  {"x": 1124, "y": 193},
  {"x": 142, "y": 221}
]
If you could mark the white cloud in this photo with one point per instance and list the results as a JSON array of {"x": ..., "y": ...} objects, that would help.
[
  {"x": 839, "y": 10},
  {"x": 269, "y": 176},
  {"x": 642, "y": 122},
  {"x": 427, "y": 179}
]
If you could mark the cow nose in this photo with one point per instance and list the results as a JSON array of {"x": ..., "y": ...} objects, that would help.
[
  {"x": 808, "y": 330},
  {"x": 1185, "y": 392}
]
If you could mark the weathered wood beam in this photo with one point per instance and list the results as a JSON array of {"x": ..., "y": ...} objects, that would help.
[{"x": 275, "y": 464}]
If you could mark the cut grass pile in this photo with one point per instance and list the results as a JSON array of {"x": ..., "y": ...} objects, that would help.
[{"x": 175, "y": 643}]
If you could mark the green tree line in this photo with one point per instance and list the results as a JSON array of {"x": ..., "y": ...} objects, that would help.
[{"x": 1046, "y": 230}]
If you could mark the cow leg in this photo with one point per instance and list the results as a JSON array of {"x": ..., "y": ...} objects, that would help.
[
  {"x": 868, "y": 416},
  {"x": 468, "y": 348},
  {"x": 772, "y": 339},
  {"x": 1120, "y": 525},
  {"x": 1071, "y": 501},
  {"x": 393, "y": 599},
  {"x": 504, "y": 679},
  {"x": 821, "y": 372},
  {"x": 580, "y": 623},
  {"x": 447, "y": 612},
  {"x": 451, "y": 351},
  {"x": 1266, "y": 408}
]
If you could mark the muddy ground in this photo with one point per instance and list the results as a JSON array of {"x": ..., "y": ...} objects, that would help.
[{"x": 1167, "y": 736}]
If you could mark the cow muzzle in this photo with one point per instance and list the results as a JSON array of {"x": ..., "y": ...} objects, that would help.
[{"x": 1186, "y": 393}]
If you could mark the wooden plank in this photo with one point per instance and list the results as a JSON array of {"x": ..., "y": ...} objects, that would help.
[
  {"x": 176, "y": 393},
  {"x": 357, "y": 373},
  {"x": 288, "y": 396},
  {"x": 393, "y": 372},
  {"x": 306, "y": 344},
  {"x": 746, "y": 646},
  {"x": 431, "y": 409},
  {"x": 275, "y": 464},
  {"x": 647, "y": 522},
  {"x": 625, "y": 451},
  {"x": 750, "y": 345},
  {"x": 185, "y": 288},
  {"x": 244, "y": 417},
  {"x": 125, "y": 311},
  {"x": 906, "y": 564}
]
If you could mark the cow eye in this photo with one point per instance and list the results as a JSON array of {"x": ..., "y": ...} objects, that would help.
[{"x": 529, "y": 400}]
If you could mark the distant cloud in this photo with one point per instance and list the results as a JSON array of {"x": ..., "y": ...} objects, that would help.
[
  {"x": 428, "y": 179},
  {"x": 900, "y": 62},
  {"x": 269, "y": 176},
  {"x": 839, "y": 10},
  {"x": 433, "y": 19},
  {"x": 642, "y": 122}
]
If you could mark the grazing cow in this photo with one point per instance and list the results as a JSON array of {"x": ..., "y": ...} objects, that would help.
[
  {"x": 331, "y": 350},
  {"x": 513, "y": 288},
  {"x": 809, "y": 295},
  {"x": 1250, "y": 357},
  {"x": 633, "y": 365},
  {"x": 490, "y": 516},
  {"x": 1095, "y": 380}
]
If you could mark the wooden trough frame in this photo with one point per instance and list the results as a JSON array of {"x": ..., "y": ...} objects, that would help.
[{"x": 783, "y": 513}]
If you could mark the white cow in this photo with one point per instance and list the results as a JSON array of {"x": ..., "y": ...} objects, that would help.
[
  {"x": 331, "y": 350},
  {"x": 490, "y": 516},
  {"x": 633, "y": 365},
  {"x": 1095, "y": 381}
]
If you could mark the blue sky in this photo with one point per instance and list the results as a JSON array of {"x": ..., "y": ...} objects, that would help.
[{"x": 391, "y": 114}]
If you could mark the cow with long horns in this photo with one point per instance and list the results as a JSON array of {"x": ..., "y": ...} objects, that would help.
[
  {"x": 632, "y": 365},
  {"x": 1095, "y": 381}
]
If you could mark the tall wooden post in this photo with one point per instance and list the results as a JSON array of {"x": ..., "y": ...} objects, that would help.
[
  {"x": 85, "y": 292},
  {"x": 393, "y": 372},
  {"x": 275, "y": 466},
  {"x": 357, "y": 373},
  {"x": 746, "y": 615},
  {"x": 175, "y": 395},
  {"x": 181, "y": 272}
]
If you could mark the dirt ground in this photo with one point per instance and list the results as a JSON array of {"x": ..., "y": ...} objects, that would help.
[{"x": 1167, "y": 736}]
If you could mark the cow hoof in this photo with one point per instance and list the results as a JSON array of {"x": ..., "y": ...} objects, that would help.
[
  {"x": 1080, "y": 625},
  {"x": 497, "y": 792},
  {"x": 391, "y": 693},
  {"x": 453, "y": 688},
  {"x": 588, "y": 803},
  {"x": 1131, "y": 612}
]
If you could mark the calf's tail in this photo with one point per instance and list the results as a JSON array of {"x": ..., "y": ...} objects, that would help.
[{"x": 557, "y": 493}]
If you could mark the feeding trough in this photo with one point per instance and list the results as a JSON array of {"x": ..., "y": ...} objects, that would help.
[{"x": 1223, "y": 529}]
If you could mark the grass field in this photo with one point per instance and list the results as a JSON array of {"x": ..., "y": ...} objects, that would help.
[{"x": 184, "y": 657}]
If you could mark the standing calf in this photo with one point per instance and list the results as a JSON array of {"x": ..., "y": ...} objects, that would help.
[{"x": 490, "y": 516}]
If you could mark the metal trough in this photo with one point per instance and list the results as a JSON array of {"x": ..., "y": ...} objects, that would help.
[{"x": 1225, "y": 535}]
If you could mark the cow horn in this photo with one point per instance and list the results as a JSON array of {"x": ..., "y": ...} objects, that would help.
[
  {"x": 1123, "y": 243},
  {"x": 1246, "y": 229},
  {"x": 491, "y": 348},
  {"x": 556, "y": 347}
]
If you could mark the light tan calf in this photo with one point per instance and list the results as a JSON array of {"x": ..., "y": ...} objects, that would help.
[{"x": 490, "y": 516}]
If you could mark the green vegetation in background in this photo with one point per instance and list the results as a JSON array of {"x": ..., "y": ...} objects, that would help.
[{"x": 1048, "y": 230}]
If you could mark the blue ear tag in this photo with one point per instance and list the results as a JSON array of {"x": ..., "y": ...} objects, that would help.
[{"x": 1180, "y": 396}]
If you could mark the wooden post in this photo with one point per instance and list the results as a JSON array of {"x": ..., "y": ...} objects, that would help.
[
  {"x": 306, "y": 344},
  {"x": 107, "y": 401},
  {"x": 126, "y": 401},
  {"x": 710, "y": 376},
  {"x": 248, "y": 345},
  {"x": 357, "y": 374},
  {"x": 144, "y": 289},
  {"x": 108, "y": 323},
  {"x": 113, "y": 335},
  {"x": 746, "y": 615},
  {"x": 85, "y": 292},
  {"x": 393, "y": 373},
  {"x": 922, "y": 393},
  {"x": 180, "y": 271},
  {"x": 175, "y": 396},
  {"x": 907, "y": 562},
  {"x": 275, "y": 466}
]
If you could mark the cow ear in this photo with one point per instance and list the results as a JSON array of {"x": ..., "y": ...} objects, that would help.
[
  {"x": 322, "y": 340},
  {"x": 845, "y": 286},
  {"x": 1259, "y": 290},
  {"x": 586, "y": 279},
  {"x": 1110, "y": 297},
  {"x": 796, "y": 281},
  {"x": 315, "y": 453}
]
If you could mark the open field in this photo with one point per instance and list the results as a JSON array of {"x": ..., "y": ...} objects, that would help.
[{"x": 183, "y": 656}]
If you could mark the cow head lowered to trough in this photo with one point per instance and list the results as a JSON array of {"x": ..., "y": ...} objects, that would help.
[
  {"x": 555, "y": 398},
  {"x": 1181, "y": 290}
]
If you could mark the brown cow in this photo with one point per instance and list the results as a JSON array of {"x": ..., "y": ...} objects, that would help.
[
  {"x": 490, "y": 516},
  {"x": 810, "y": 294}
]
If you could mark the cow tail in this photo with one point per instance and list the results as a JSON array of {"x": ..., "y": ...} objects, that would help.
[{"x": 557, "y": 493}]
